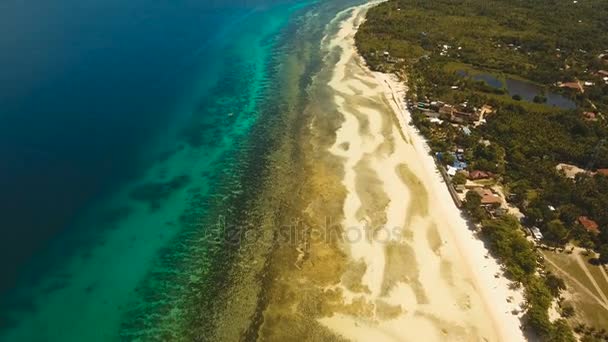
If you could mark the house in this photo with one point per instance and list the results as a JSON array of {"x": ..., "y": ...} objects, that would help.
[
  {"x": 602, "y": 73},
  {"x": 476, "y": 174},
  {"x": 466, "y": 131},
  {"x": 500, "y": 211},
  {"x": 485, "y": 110},
  {"x": 589, "y": 225},
  {"x": 603, "y": 172},
  {"x": 488, "y": 197},
  {"x": 569, "y": 170},
  {"x": 589, "y": 116},
  {"x": 436, "y": 105},
  {"x": 536, "y": 233},
  {"x": 460, "y": 155},
  {"x": 446, "y": 111},
  {"x": 464, "y": 115},
  {"x": 571, "y": 85},
  {"x": 430, "y": 114},
  {"x": 459, "y": 165}
]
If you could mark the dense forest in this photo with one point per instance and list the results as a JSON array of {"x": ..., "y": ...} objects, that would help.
[{"x": 438, "y": 45}]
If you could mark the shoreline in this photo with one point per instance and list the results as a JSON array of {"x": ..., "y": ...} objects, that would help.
[
  {"x": 495, "y": 291},
  {"x": 449, "y": 286}
]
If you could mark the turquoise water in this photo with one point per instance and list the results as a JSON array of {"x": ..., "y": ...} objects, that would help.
[
  {"x": 83, "y": 286},
  {"x": 145, "y": 152}
]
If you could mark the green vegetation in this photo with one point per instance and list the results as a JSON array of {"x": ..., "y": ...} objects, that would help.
[
  {"x": 519, "y": 258},
  {"x": 534, "y": 144},
  {"x": 587, "y": 308},
  {"x": 472, "y": 205},
  {"x": 541, "y": 41},
  {"x": 463, "y": 53},
  {"x": 459, "y": 179},
  {"x": 512, "y": 247}
]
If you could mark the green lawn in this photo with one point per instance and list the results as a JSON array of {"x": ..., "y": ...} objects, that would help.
[{"x": 590, "y": 310}]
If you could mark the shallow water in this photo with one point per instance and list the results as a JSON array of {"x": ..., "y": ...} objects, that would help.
[
  {"x": 113, "y": 142},
  {"x": 137, "y": 153}
]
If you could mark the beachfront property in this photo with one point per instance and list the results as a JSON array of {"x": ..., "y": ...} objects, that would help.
[
  {"x": 496, "y": 201},
  {"x": 458, "y": 165},
  {"x": 488, "y": 198},
  {"x": 477, "y": 175},
  {"x": 458, "y": 114}
]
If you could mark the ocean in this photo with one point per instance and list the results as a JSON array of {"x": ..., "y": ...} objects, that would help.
[{"x": 135, "y": 137}]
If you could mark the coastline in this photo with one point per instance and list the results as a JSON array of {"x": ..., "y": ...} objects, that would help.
[
  {"x": 494, "y": 290},
  {"x": 360, "y": 148}
]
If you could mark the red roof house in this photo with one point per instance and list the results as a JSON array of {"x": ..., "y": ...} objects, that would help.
[
  {"x": 476, "y": 174},
  {"x": 589, "y": 116},
  {"x": 590, "y": 225},
  {"x": 572, "y": 85},
  {"x": 488, "y": 197}
]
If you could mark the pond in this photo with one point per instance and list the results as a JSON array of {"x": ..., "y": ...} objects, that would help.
[
  {"x": 491, "y": 80},
  {"x": 526, "y": 90}
]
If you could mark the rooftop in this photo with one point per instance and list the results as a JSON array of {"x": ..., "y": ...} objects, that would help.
[
  {"x": 487, "y": 196},
  {"x": 590, "y": 225},
  {"x": 477, "y": 174}
]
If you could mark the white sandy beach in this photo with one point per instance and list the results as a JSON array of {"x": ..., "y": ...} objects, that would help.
[{"x": 427, "y": 275}]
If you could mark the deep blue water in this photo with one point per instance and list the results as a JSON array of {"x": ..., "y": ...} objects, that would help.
[
  {"x": 114, "y": 116},
  {"x": 84, "y": 86}
]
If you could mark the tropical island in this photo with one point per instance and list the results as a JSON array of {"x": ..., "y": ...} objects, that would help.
[{"x": 512, "y": 98}]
